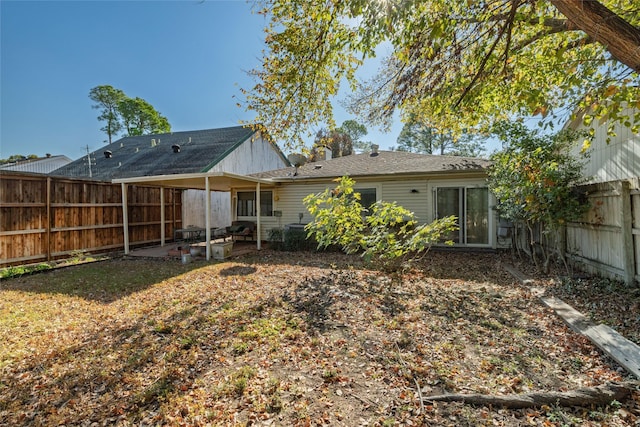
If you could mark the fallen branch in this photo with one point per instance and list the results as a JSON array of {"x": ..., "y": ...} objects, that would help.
[{"x": 599, "y": 395}]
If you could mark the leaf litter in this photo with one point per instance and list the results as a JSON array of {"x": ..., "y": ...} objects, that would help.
[{"x": 280, "y": 338}]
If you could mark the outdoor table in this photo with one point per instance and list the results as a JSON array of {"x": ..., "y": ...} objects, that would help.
[{"x": 189, "y": 233}]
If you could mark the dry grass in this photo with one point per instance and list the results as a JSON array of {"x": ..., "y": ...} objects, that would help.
[{"x": 286, "y": 339}]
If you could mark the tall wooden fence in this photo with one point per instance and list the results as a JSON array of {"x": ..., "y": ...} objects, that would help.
[
  {"x": 607, "y": 239},
  {"x": 46, "y": 218}
]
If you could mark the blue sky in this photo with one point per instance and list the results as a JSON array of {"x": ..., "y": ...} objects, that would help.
[{"x": 187, "y": 58}]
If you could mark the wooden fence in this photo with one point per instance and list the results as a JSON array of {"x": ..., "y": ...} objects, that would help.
[
  {"x": 45, "y": 218},
  {"x": 607, "y": 239}
]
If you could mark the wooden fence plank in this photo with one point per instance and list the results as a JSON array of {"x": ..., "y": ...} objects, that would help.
[
  {"x": 620, "y": 349},
  {"x": 44, "y": 218}
]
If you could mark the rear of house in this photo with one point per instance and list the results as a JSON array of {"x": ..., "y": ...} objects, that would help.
[{"x": 430, "y": 186}]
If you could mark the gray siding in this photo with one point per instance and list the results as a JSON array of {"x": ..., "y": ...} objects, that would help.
[
  {"x": 616, "y": 160},
  {"x": 288, "y": 198},
  {"x": 253, "y": 155}
]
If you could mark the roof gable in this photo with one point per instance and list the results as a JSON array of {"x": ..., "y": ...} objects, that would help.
[{"x": 147, "y": 155}]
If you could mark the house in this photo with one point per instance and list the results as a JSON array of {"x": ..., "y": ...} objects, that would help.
[
  {"x": 240, "y": 150},
  {"x": 430, "y": 186},
  {"x": 43, "y": 165},
  {"x": 610, "y": 158},
  {"x": 607, "y": 240}
]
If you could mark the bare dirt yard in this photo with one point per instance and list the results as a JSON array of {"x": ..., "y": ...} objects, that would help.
[{"x": 278, "y": 338}]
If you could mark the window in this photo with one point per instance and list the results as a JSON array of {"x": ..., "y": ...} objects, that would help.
[
  {"x": 367, "y": 196},
  {"x": 471, "y": 207},
  {"x": 247, "y": 203}
]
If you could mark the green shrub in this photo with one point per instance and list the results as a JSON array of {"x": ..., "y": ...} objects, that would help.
[
  {"x": 295, "y": 239},
  {"x": 276, "y": 239}
]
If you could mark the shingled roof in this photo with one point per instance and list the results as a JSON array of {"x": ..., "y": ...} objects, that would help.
[
  {"x": 149, "y": 155},
  {"x": 382, "y": 163}
]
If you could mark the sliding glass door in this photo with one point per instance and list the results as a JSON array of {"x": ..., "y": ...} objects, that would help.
[{"x": 471, "y": 207}]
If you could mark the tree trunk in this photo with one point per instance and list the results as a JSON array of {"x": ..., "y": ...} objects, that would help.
[
  {"x": 597, "y": 396},
  {"x": 618, "y": 36},
  {"x": 532, "y": 246}
]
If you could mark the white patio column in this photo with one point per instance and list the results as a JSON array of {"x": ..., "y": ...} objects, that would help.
[
  {"x": 125, "y": 217},
  {"x": 207, "y": 220},
  {"x": 258, "y": 222}
]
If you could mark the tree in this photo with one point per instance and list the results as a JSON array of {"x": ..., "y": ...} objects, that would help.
[
  {"x": 15, "y": 158},
  {"x": 355, "y": 131},
  {"x": 462, "y": 65},
  {"x": 140, "y": 118},
  {"x": 338, "y": 142},
  {"x": 108, "y": 99},
  {"x": 534, "y": 179},
  {"x": 386, "y": 234},
  {"x": 341, "y": 141},
  {"x": 420, "y": 138},
  {"x": 135, "y": 115}
]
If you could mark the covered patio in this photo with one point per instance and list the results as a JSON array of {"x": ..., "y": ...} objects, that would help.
[{"x": 206, "y": 181}]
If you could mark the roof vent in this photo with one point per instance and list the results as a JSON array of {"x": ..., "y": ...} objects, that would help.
[
  {"x": 108, "y": 154},
  {"x": 153, "y": 142},
  {"x": 175, "y": 148},
  {"x": 137, "y": 149},
  {"x": 121, "y": 144},
  {"x": 374, "y": 150}
]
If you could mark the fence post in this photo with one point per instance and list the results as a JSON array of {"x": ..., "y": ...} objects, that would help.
[
  {"x": 626, "y": 223},
  {"x": 125, "y": 217},
  {"x": 49, "y": 220}
]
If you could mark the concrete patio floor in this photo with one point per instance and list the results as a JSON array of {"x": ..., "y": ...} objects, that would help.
[{"x": 172, "y": 250}]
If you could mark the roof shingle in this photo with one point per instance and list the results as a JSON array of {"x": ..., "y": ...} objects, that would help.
[
  {"x": 149, "y": 155},
  {"x": 384, "y": 163}
]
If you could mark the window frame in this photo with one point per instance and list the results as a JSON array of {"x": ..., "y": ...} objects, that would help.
[
  {"x": 249, "y": 209},
  {"x": 463, "y": 213}
]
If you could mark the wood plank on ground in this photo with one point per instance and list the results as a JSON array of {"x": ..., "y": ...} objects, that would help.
[{"x": 626, "y": 353}]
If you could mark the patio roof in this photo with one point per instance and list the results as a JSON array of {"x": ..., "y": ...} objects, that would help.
[
  {"x": 218, "y": 181},
  {"x": 207, "y": 181}
]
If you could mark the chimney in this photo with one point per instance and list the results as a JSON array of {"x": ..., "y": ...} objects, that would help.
[
  {"x": 328, "y": 154},
  {"x": 374, "y": 150}
]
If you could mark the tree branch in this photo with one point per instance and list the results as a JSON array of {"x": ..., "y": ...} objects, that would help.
[
  {"x": 483, "y": 64},
  {"x": 618, "y": 36},
  {"x": 587, "y": 396}
]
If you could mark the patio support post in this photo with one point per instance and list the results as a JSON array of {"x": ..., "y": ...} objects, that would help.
[
  {"x": 125, "y": 217},
  {"x": 259, "y": 214},
  {"x": 207, "y": 220},
  {"x": 162, "y": 218}
]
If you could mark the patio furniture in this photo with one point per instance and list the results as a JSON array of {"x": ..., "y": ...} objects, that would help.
[
  {"x": 189, "y": 234},
  {"x": 244, "y": 229},
  {"x": 220, "y": 233}
]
